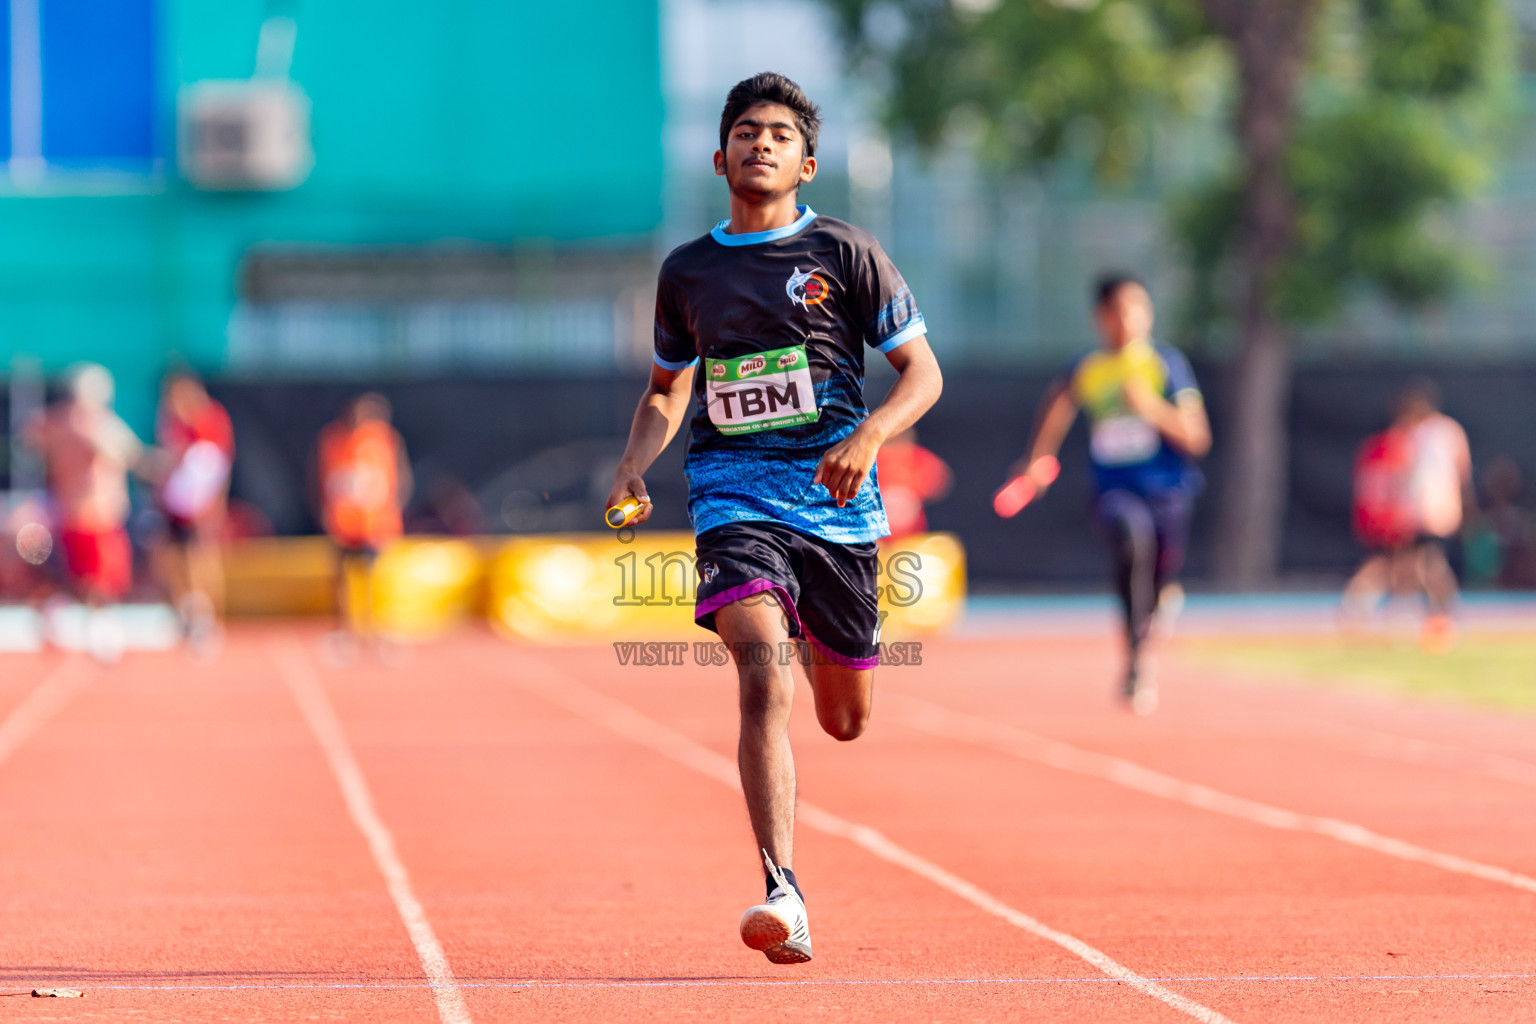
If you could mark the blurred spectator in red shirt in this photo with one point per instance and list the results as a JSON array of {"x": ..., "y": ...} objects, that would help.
[
  {"x": 197, "y": 452},
  {"x": 910, "y": 477}
]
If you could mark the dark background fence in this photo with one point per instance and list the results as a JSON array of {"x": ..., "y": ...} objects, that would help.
[{"x": 536, "y": 454}]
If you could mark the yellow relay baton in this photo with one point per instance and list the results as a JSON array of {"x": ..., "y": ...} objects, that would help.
[{"x": 620, "y": 515}]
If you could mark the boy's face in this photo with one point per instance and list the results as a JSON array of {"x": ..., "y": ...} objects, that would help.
[
  {"x": 764, "y": 153},
  {"x": 1124, "y": 317},
  {"x": 366, "y": 410},
  {"x": 1414, "y": 409},
  {"x": 186, "y": 397}
]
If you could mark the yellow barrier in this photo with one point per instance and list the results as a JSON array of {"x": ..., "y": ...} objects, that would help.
[
  {"x": 570, "y": 588},
  {"x": 586, "y": 588},
  {"x": 421, "y": 585},
  {"x": 281, "y": 576}
]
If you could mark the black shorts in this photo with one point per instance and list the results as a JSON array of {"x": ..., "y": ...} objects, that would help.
[
  {"x": 179, "y": 530},
  {"x": 829, "y": 592},
  {"x": 362, "y": 554},
  {"x": 1411, "y": 545}
]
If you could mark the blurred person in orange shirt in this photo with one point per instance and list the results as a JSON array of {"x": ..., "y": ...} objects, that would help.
[
  {"x": 197, "y": 452},
  {"x": 88, "y": 451},
  {"x": 365, "y": 481},
  {"x": 910, "y": 477}
]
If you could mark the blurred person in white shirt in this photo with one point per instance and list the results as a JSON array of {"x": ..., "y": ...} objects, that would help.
[{"x": 1440, "y": 493}]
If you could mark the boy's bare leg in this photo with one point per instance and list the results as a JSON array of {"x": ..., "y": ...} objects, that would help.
[
  {"x": 1369, "y": 585},
  {"x": 844, "y": 695},
  {"x": 754, "y": 629}
]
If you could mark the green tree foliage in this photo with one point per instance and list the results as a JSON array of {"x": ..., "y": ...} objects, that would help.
[
  {"x": 1034, "y": 71},
  {"x": 1398, "y": 125},
  {"x": 1439, "y": 48},
  {"x": 1355, "y": 126},
  {"x": 1392, "y": 131},
  {"x": 1373, "y": 188}
]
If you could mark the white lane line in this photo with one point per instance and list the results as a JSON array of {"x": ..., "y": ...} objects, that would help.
[
  {"x": 1413, "y": 750},
  {"x": 797, "y": 982},
  {"x": 935, "y": 720},
  {"x": 47, "y": 699},
  {"x": 581, "y": 700},
  {"x": 307, "y": 692}
]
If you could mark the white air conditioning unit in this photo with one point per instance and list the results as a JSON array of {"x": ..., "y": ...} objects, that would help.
[{"x": 249, "y": 135}]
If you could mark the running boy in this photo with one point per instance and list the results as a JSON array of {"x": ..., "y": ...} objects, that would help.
[
  {"x": 1148, "y": 426},
  {"x": 777, "y": 303}
]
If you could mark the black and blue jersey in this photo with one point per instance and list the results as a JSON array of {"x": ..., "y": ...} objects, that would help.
[{"x": 778, "y": 322}]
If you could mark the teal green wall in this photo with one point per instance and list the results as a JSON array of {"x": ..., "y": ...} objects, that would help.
[{"x": 484, "y": 120}]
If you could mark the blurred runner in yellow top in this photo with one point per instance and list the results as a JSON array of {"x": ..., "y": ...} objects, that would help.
[{"x": 1147, "y": 427}]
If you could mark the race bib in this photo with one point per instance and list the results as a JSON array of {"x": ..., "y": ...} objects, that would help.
[
  {"x": 763, "y": 391},
  {"x": 1123, "y": 441}
]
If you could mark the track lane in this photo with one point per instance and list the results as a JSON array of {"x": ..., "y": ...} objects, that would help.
[
  {"x": 1269, "y": 743},
  {"x": 1433, "y": 732},
  {"x": 612, "y": 878},
  {"x": 174, "y": 827},
  {"x": 35, "y": 694},
  {"x": 297, "y": 671},
  {"x": 170, "y": 829},
  {"x": 1174, "y": 884}
]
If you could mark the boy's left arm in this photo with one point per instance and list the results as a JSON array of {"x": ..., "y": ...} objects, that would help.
[
  {"x": 846, "y": 465},
  {"x": 1181, "y": 421}
]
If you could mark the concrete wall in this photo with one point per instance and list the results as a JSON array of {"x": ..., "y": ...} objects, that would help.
[{"x": 481, "y": 121}]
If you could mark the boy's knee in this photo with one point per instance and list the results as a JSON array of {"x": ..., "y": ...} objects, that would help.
[{"x": 845, "y": 724}]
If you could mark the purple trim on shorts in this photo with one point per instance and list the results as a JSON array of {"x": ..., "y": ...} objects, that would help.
[
  {"x": 842, "y": 659},
  {"x": 714, "y": 603}
]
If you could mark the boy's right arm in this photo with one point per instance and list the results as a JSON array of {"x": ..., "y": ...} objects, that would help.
[
  {"x": 656, "y": 422},
  {"x": 1052, "y": 422}
]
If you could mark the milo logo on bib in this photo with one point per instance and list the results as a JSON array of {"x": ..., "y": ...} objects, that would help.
[{"x": 763, "y": 391}]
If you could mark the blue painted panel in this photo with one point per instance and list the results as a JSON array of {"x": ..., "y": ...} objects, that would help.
[
  {"x": 98, "y": 82},
  {"x": 5, "y": 81}
]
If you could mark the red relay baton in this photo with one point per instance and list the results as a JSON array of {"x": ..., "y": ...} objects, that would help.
[{"x": 1011, "y": 498}]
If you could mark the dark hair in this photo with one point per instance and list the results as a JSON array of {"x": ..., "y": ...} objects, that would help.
[
  {"x": 372, "y": 400},
  {"x": 1419, "y": 391},
  {"x": 772, "y": 87},
  {"x": 1111, "y": 281},
  {"x": 181, "y": 371}
]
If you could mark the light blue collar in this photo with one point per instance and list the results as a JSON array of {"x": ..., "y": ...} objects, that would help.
[{"x": 718, "y": 233}]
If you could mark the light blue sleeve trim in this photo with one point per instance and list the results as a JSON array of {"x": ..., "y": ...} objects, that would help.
[
  {"x": 718, "y": 233},
  {"x": 667, "y": 364},
  {"x": 915, "y": 329}
]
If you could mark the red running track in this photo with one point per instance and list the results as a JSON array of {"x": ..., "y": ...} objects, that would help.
[{"x": 192, "y": 845}]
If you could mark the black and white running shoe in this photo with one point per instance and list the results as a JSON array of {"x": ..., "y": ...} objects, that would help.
[{"x": 779, "y": 928}]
